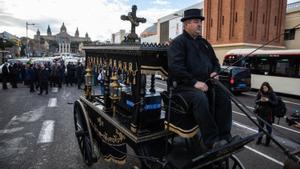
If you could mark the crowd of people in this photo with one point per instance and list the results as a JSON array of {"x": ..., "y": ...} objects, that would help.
[{"x": 38, "y": 76}]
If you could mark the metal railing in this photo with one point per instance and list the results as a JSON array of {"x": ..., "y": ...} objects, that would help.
[{"x": 293, "y": 5}]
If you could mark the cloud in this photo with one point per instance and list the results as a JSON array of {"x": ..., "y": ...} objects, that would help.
[
  {"x": 100, "y": 18},
  {"x": 161, "y": 2},
  {"x": 11, "y": 21}
]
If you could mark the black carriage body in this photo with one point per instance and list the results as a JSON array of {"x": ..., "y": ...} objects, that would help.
[
  {"x": 136, "y": 116},
  {"x": 137, "y": 119},
  {"x": 140, "y": 108}
]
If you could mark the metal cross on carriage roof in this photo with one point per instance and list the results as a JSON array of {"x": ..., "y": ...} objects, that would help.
[{"x": 133, "y": 37}]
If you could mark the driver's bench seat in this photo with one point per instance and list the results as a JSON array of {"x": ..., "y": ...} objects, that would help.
[{"x": 181, "y": 119}]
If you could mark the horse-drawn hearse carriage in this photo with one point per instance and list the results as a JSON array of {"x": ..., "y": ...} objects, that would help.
[{"x": 127, "y": 111}]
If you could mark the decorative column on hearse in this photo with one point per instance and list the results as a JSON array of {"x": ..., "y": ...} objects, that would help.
[{"x": 88, "y": 81}]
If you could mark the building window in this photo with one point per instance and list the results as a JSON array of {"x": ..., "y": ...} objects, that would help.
[
  {"x": 289, "y": 34},
  {"x": 251, "y": 16},
  {"x": 223, "y": 20},
  {"x": 211, "y": 22},
  {"x": 275, "y": 21},
  {"x": 263, "y": 21},
  {"x": 164, "y": 32},
  {"x": 236, "y": 15}
]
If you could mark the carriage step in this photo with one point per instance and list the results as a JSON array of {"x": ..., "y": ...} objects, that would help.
[
  {"x": 180, "y": 158},
  {"x": 80, "y": 133}
]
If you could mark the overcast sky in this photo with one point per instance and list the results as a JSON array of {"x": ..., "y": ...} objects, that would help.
[{"x": 100, "y": 18}]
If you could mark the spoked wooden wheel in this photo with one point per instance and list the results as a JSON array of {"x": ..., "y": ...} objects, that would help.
[
  {"x": 231, "y": 162},
  {"x": 83, "y": 134},
  {"x": 234, "y": 163}
]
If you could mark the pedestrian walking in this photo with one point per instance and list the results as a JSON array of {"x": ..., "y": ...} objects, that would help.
[
  {"x": 29, "y": 77},
  {"x": 79, "y": 74},
  {"x": 265, "y": 100},
  {"x": 43, "y": 77},
  {"x": 5, "y": 76}
]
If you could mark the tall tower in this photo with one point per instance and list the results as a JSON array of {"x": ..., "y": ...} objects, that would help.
[
  {"x": 49, "y": 33},
  {"x": 63, "y": 28},
  {"x": 38, "y": 33},
  {"x": 77, "y": 33},
  {"x": 244, "y": 23}
]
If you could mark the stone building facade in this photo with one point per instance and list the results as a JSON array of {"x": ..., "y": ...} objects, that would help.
[
  {"x": 62, "y": 42},
  {"x": 292, "y": 26},
  {"x": 231, "y": 24}
]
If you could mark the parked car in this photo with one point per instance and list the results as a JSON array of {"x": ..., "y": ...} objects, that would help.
[{"x": 236, "y": 79}]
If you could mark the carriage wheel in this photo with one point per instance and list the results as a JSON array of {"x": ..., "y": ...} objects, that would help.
[
  {"x": 83, "y": 134},
  {"x": 234, "y": 163}
]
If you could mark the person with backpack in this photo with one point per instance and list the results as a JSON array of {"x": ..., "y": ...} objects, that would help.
[
  {"x": 279, "y": 110},
  {"x": 266, "y": 99}
]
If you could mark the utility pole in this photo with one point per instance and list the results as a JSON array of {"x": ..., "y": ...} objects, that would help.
[{"x": 27, "y": 41}]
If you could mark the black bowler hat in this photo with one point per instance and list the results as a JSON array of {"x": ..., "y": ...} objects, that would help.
[{"x": 192, "y": 14}]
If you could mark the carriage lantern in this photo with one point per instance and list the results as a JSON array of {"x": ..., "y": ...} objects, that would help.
[
  {"x": 115, "y": 91},
  {"x": 115, "y": 88}
]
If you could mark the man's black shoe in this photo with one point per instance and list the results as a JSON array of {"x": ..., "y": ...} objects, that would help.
[
  {"x": 234, "y": 139},
  {"x": 219, "y": 144}
]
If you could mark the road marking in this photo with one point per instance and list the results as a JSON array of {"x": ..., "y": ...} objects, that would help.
[
  {"x": 264, "y": 155},
  {"x": 54, "y": 90},
  {"x": 11, "y": 121},
  {"x": 47, "y": 131},
  {"x": 282, "y": 140},
  {"x": 160, "y": 89},
  {"x": 286, "y": 128},
  {"x": 243, "y": 114},
  {"x": 8, "y": 131},
  {"x": 244, "y": 126},
  {"x": 286, "y": 101},
  {"x": 292, "y": 130},
  {"x": 32, "y": 115},
  {"x": 249, "y": 94},
  {"x": 242, "y": 106},
  {"x": 52, "y": 102}
]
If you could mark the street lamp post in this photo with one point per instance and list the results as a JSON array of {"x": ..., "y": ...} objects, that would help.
[
  {"x": 27, "y": 41},
  {"x": 3, "y": 50}
]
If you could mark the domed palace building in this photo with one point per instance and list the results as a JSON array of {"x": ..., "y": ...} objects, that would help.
[{"x": 61, "y": 42}]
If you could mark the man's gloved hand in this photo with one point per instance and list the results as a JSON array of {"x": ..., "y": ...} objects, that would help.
[
  {"x": 215, "y": 75},
  {"x": 201, "y": 85}
]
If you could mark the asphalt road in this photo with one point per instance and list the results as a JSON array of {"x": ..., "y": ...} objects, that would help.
[{"x": 38, "y": 132}]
